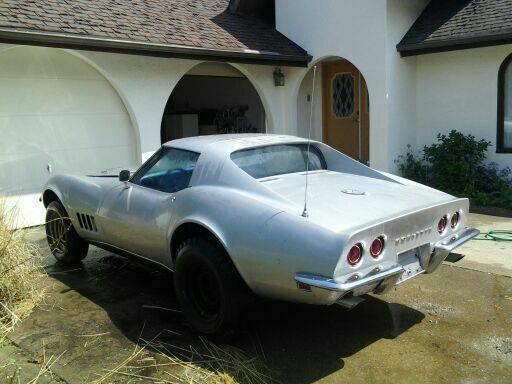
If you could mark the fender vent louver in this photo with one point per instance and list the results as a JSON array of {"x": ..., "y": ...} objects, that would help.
[{"x": 87, "y": 222}]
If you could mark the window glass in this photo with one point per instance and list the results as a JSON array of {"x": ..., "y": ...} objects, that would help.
[
  {"x": 278, "y": 160},
  {"x": 507, "y": 108},
  {"x": 343, "y": 95},
  {"x": 170, "y": 170}
]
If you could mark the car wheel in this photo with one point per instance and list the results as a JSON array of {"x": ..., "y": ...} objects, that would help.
[
  {"x": 64, "y": 242},
  {"x": 208, "y": 287}
]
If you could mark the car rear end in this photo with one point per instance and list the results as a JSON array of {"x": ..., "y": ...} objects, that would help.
[{"x": 378, "y": 257}]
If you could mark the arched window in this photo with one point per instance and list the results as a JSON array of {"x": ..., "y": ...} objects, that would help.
[{"x": 504, "y": 136}]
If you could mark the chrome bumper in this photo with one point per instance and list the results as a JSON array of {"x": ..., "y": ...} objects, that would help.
[
  {"x": 388, "y": 277},
  {"x": 333, "y": 285},
  {"x": 443, "y": 248}
]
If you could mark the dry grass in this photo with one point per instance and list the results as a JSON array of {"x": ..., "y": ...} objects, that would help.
[
  {"x": 171, "y": 364},
  {"x": 20, "y": 271}
]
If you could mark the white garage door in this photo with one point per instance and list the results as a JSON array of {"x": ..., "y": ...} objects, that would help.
[{"x": 57, "y": 115}]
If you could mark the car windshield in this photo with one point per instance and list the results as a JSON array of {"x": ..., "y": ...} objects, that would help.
[{"x": 280, "y": 159}]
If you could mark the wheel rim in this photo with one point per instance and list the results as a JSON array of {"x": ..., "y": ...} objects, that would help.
[
  {"x": 56, "y": 232},
  {"x": 204, "y": 292}
]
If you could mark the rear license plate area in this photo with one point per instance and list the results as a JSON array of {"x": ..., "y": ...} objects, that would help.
[{"x": 410, "y": 261}]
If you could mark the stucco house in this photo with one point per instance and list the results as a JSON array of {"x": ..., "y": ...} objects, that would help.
[{"x": 96, "y": 86}]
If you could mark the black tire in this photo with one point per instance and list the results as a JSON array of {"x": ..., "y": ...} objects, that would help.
[
  {"x": 211, "y": 292},
  {"x": 64, "y": 242}
]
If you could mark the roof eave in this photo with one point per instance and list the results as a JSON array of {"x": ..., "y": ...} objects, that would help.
[
  {"x": 57, "y": 40},
  {"x": 454, "y": 44}
]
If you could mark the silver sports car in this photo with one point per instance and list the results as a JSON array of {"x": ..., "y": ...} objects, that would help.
[{"x": 272, "y": 215}]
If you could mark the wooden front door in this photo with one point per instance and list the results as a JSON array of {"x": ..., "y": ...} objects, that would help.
[{"x": 345, "y": 109}]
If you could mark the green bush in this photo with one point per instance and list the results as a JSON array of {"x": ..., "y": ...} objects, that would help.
[
  {"x": 455, "y": 164},
  {"x": 411, "y": 167}
]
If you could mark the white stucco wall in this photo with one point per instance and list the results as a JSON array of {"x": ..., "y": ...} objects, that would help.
[
  {"x": 400, "y": 80},
  {"x": 458, "y": 90},
  {"x": 334, "y": 29},
  {"x": 365, "y": 33},
  {"x": 304, "y": 100},
  {"x": 145, "y": 84}
]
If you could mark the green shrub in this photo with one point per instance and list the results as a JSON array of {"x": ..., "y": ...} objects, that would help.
[
  {"x": 455, "y": 164},
  {"x": 411, "y": 167},
  {"x": 455, "y": 161}
]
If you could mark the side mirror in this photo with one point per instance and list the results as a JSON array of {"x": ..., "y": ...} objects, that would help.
[{"x": 124, "y": 175}]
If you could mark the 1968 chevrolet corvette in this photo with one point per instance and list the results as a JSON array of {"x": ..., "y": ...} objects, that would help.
[{"x": 226, "y": 214}]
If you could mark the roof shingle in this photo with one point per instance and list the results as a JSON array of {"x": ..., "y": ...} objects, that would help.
[
  {"x": 199, "y": 24},
  {"x": 457, "y": 24}
]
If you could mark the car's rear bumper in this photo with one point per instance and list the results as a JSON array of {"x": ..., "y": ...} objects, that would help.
[
  {"x": 380, "y": 280},
  {"x": 333, "y": 285},
  {"x": 443, "y": 248}
]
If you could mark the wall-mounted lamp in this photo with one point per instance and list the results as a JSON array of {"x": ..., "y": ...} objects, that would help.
[{"x": 278, "y": 78}]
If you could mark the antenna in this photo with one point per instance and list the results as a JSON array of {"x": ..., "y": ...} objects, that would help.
[{"x": 305, "y": 211}]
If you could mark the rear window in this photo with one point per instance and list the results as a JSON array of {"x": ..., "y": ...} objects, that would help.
[{"x": 278, "y": 160}]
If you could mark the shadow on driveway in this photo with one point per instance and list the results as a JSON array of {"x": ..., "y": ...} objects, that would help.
[{"x": 300, "y": 343}]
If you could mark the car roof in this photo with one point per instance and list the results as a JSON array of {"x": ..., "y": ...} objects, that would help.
[{"x": 231, "y": 142}]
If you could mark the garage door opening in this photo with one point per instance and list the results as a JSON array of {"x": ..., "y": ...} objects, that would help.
[
  {"x": 212, "y": 98},
  {"x": 58, "y": 115}
]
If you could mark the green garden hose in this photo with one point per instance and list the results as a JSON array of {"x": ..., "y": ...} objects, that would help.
[{"x": 495, "y": 235}]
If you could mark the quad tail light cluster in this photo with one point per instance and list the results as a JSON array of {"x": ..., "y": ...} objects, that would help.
[
  {"x": 355, "y": 254},
  {"x": 443, "y": 222}
]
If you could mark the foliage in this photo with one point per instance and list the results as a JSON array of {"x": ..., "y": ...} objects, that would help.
[
  {"x": 455, "y": 161},
  {"x": 455, "y": 164},
  {"x": 411, "y": 167}
]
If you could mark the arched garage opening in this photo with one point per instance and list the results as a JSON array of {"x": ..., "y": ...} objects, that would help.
[
  {"x": 57, "y": 115},
  {"x": 341, "y": 111},
  {"x": 212, "y": 98}
]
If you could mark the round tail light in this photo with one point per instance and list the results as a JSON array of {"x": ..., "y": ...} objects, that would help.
[
  {"x": 441, "y": 226},
  {"x": 355, "y": 254},
  {"x": 455, "y": 219},
  {"x": 377, "y": 246}
]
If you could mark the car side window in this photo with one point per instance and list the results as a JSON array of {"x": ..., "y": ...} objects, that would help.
[{"x": 169, "y": 171}]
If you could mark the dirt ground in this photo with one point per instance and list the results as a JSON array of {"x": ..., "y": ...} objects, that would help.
[{"x": 454, "y": 326}]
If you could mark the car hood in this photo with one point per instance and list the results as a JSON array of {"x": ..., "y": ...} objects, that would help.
[{"x": 341, "y": 201}]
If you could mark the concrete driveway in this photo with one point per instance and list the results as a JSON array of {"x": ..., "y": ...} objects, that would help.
[{"x": 454, "y": 326}]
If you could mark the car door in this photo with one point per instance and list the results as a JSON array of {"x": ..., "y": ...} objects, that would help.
[{"x": 137, "y": 213}]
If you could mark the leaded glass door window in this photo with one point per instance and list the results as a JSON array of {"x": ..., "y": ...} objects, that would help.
[{"x": 343, "y": 95}]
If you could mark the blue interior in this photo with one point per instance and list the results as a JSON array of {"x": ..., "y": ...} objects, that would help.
[{"x": 168, "y": 181}]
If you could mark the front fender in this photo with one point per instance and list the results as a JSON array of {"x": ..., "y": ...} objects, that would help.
[{"x": 57, "y": 186}]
